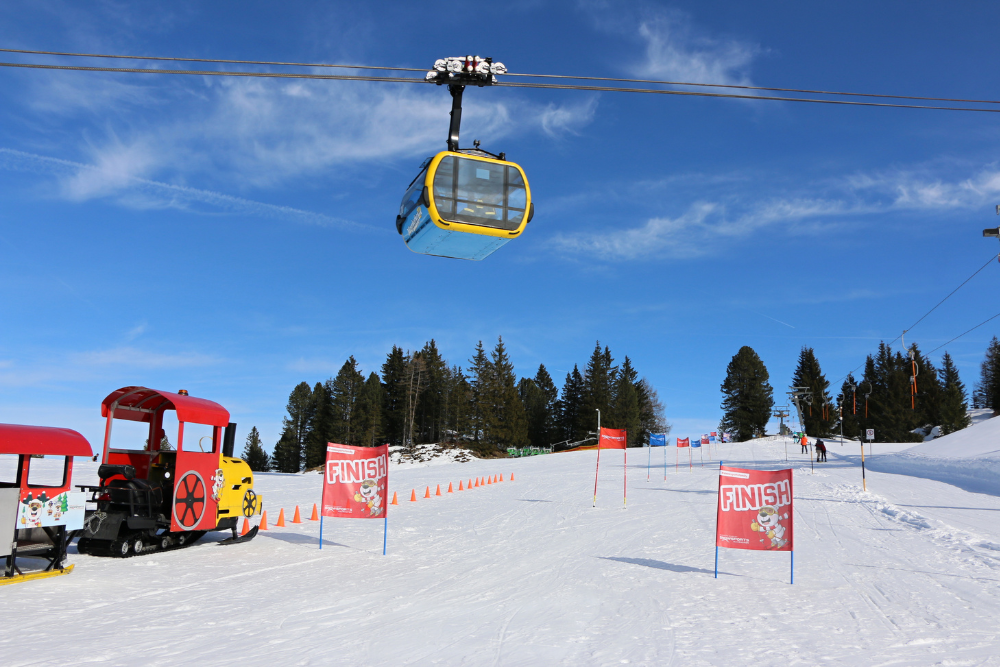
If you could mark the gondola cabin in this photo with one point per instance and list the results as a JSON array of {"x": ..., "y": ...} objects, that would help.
[
  {"x": 38, "y": 508},
  {"x": 464, "y": 205}
]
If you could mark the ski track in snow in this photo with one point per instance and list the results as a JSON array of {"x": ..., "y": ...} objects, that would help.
[{"x": 528, "y": 573}]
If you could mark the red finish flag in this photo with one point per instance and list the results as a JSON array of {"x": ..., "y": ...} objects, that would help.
[
  {"x": 683, "y": 442},
  {"x": 355, "y": 482},
  {"x": 755, "y": 509}
]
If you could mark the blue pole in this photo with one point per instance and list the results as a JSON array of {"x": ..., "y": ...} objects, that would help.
[
  {"x": 649, "y": 457},
  {"x": 320, "y": 531},
  {"x": 793, "y": 567},
  {"x": 385, "y": 530},
  {"x": 716, "y": 561}
]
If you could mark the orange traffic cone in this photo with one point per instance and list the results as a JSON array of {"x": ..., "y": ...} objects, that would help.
[
  {"x": 489, "y": 480},
  {"x": 427, "y": 493},
  {"x": 246, "y": 527},
  {"x": 263, "y": 520},
  {"x": 438, "y": 492},
  {"x": 413, "y": 495},
  {"x": 281, "y": 518},
  {"x": 296, "y": 518},
  {"x": 315, "y": 514},
  {"x": 450, "y": 490},
  {"x": 460, "y": 485},
  {"x": 501, "y": 477},
  {"x": 469, "y": 486},
  {"x": 477, "y": 482},
  {"x": 512, "y": 477},
  {"x": 394, "y": 501}
]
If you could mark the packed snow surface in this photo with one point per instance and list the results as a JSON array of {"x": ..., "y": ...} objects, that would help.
[
  {"x": 527, "y": 572},
  {"x": 969, "y": 458}
]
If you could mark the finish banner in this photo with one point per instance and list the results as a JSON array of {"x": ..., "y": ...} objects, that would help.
[
  {"x": 755, "y": 509},
  {"x": 657, "y": 439},
  {"x": 356, "y": 481},
  {"x": 612, "y": 438},
  {"x": 683, "y": 442}
]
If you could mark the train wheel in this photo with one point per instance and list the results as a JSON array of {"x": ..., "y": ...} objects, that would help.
[
  {"x": 137, "y": 545},
  {"x": 121, "y": 548},
  {"x": 189, "y": 500},
  {"x": 249, "y": 503},
  {"x": 164, "y": 543}
]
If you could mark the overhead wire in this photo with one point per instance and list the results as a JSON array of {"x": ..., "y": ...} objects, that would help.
[{"x": 950, "y": 294}]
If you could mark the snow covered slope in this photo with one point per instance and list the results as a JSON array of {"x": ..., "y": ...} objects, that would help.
[
  {"x": 969, "y": 458},
  {"x": 528, "y": 573}
]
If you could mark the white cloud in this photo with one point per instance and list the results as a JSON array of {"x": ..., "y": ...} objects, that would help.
[
  {"x": 677, "y": 50},
  {"x": 131, "y": 357},
  {"x": 111, "y": 177},
  {"x": 711, "y": 222}
]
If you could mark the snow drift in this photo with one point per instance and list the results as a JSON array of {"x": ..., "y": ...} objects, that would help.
[{"x": 968, "y": 459}]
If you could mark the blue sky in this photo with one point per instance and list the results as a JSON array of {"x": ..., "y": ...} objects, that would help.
[{"x": 235, "y": 237}]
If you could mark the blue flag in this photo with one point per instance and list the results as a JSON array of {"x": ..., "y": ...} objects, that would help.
[{"x": 657, "y": 439}]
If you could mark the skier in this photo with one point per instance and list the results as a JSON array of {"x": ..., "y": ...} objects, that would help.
[
  {"x": 805, "y": 444},
  {"x": 820, "y": 451}
]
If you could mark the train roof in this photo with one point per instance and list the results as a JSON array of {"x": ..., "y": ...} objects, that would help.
[
  {"x": 140, "y": 403},
  {"x": 19, "y": 439}
]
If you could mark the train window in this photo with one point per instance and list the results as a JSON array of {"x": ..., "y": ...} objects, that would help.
[
  {"x": 198, "y": 438},
  {"x": 127, "y": 434},
  {"x": 10, "y": 470},
  {"x": 47, "y": 471}
]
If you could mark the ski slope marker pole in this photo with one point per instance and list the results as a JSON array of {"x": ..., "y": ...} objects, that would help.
[
  {"x": 864, "y": 484},
  {"x": 598, "y": 470}
]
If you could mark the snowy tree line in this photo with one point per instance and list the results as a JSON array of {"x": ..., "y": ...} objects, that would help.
[
  {"x": 881, "y": 398},
  {"x": 418, "y": 397}
]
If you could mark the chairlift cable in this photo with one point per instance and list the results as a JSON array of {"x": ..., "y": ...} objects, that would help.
[{"x": 969, "y": 331}]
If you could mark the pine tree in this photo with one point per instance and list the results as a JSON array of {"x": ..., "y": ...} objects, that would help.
[
  {"x": 887, "y": 379},
  {"x": 368, "y": 412},
  {"x": 987, "y": 391},
  {"x": 290, "y": 449},
  {"x": 505, "y": 424},
  {"x": 320, "y": 428},
  {"x": 847, "y": 403},
  {"x": 818, "y": 415},
  {"x": 415, "y": 379},
  {"x": 748, "y": 397},
  {"x": 394, "y": 392},
  {"x": 570, "y": 408},
  {"x": 929, "y": 392},
  {"x": 625, "y": 408},
  {"x": 254, "y": 454},
  {"x": 456, "y": 408},
  {"x": 954, "y": 407},
  {"x": 344, "y": 391},
  {"x": 430, "y": 412},
  {"x": 652, "y": 417},
  {"x": 599, "y": 379},
  {"x": 480, "y": 371},
  {"x": 540, "y": 397}
]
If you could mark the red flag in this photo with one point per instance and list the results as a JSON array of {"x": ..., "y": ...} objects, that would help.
[
  {"x": 612, "y": 438},
  {"x": 683, "y": 442},
  {"x": 713, "y": 433},
  {"x": 755, "y": 509},
  {"x": 355, "y": 481}
]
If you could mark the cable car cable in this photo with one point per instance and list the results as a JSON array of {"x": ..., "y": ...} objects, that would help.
[
  {"x": 291, "y": 75},
  {"x": 517, "y": 74},
  {"x": 210, "y": 60},
  {"x": 745, "y": 87}
]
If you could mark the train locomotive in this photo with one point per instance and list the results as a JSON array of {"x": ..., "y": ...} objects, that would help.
[{"x": 158, "y": 498}]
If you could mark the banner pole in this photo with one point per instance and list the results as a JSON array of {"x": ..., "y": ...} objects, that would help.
[
  {"x": 792, "y": 581},
  {"x": 716, "y": 555},
  {"x": 320, "y": 531},
  {"x": 598, "y": 470},
  {"x": 690, "y": 460},
  {"x": 649, "y": 457},
  {"x": 664, "y": 461},
  {"x": 385, "y": 530},
  {"x": 717, "y": 531},
  {"x": 625, "y": 484},
  {"x": 677, "y": 459}
]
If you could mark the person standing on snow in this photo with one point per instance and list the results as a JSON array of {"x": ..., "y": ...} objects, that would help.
[
  {"x": 805, "y": 444},
  {"x": 820, "y": 451}
]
